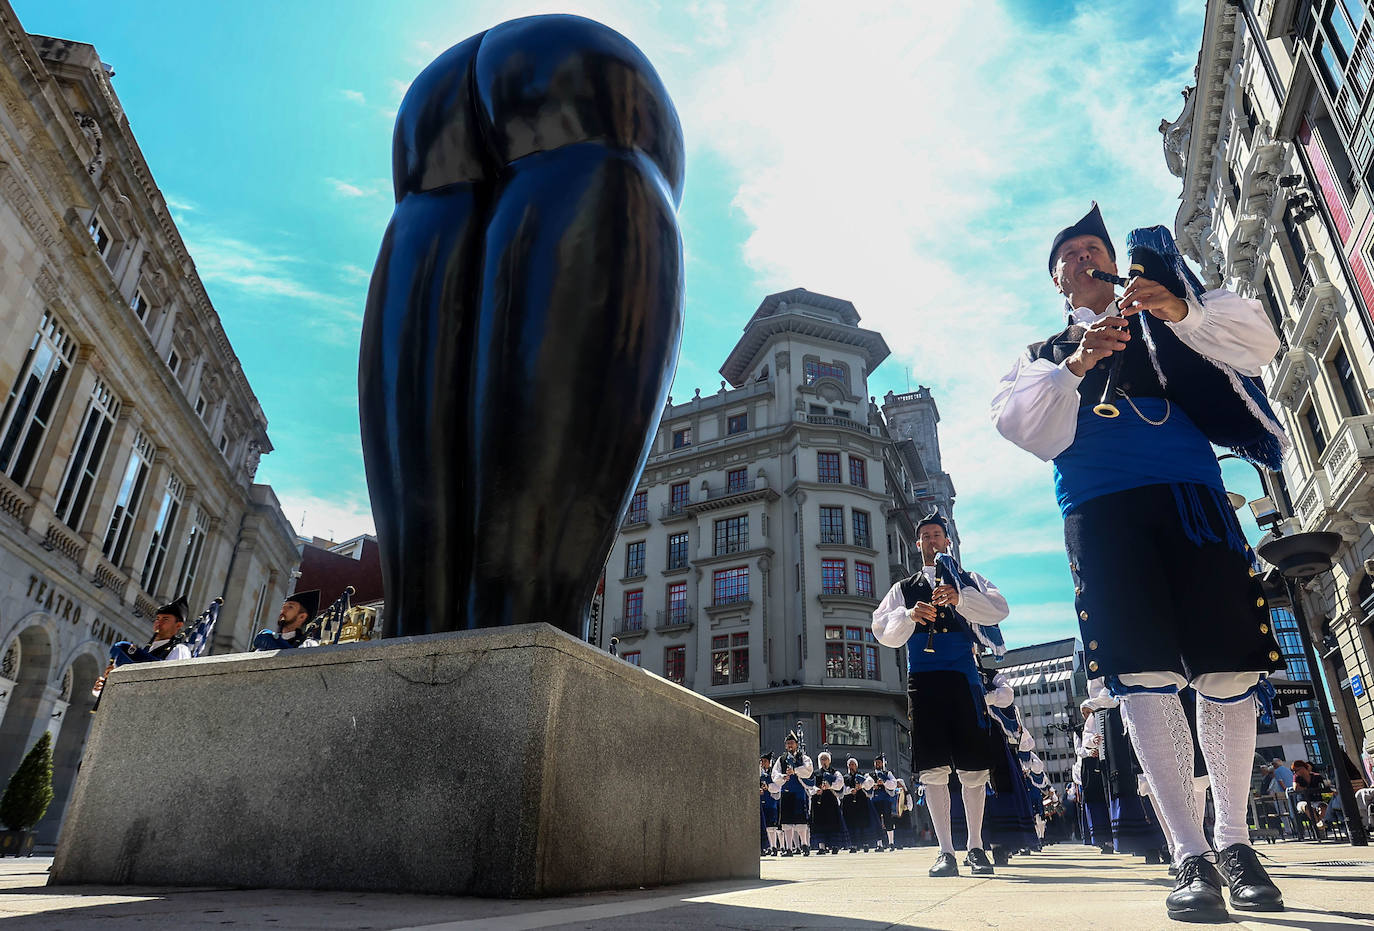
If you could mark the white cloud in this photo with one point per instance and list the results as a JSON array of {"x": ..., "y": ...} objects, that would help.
[
  {"x": 336, "y": 518},
  {"x": 349, "y": 189},
  {"x": 354, "y": 274},
  {"x": 177, "y": 203},
  {"x": 354, "y": 96}
]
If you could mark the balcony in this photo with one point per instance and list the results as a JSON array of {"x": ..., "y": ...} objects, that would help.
[
  {"x": 59, "y": 540},
  {"x": 14, "y": 501},
  {"x": 675, "y": 511},
  {"x": 720, "y": 496},
  {"x": 676, "y": 618},
  {"x": 832, "y": 536},
  {"x": 636, "y": 520},
  {"x": 844, "y": 423},
  {"x": 1315, "y": 305},
  {"x": 1313, "y": 501},
  {"x": 730, "y": 604},
  {"x": 1348, "y": 463},
  {"x": 107, "y": 576},
  {"x": 629, "y": 628}
]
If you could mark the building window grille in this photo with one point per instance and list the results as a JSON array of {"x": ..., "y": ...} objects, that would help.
[
  {"x": 737, "y": 481},
  {"x": 863, "y": 579},
  {"x": 639, "y": 508},
  {"x": 730, "y": 659},
  {"x": 832, "y": 524},
  {"x": 33, "y": 397},
  {"x": 677, "y": 604},
  {"x": 1350, "y": 388},
  {"x": 815, "y": 369},
  {"x": 634, "y": 559},
  {"x": 730, "y": 586},
  {"x": 731, "y": 535},
  {"x": 828, "y": 467},
  {"x": 858, "y": 472},
  {"x": 737, "y": 423},
  {"x": 634, "y": 610},
  {"x": 677, "y": 551},
  {"x": 84, "y": 465},
  {"x": 679, "y": 496},
  {"x": 862, "y": 535},
  {"x": 633, "y": 657},
  {"x": 128, "y": 501},
  {"x": 833, "y": 580},
  {"x": 163, "y": 524},
  {"x": 675, "y": 664},
  {"x": 682, "y": 438}
]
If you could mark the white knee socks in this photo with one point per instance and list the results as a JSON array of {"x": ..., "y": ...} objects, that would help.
[
  {"x": 1164, "y": 744},
  {"x": 937, "y": 800},
  {"x": 974, "y": 797},
  {"x": 1226, "y": 733}
]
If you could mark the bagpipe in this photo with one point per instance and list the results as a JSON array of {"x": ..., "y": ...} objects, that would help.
[
  {"x": 344, "y": 622},
  {"x": 949, "y": 572}
]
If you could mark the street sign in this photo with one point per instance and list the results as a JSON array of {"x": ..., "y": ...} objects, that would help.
[
  {"x": 1357, "y": 686},
  {"x": 1288, "y": 692}
]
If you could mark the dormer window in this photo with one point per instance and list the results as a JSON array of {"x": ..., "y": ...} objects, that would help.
[{"x": 101, "y": 237}]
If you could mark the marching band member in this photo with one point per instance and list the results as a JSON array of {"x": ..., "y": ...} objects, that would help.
[
  {"x": 768, "y": 806},
  {"x": 167, "y": 643},
  {"x": 790, "y": 768},
  {"x": 828, "y": 832},
  {"x": 293, "y": 624},
  {"x": 860, "y": 819},
  {"x": 1162, "y": 580},
  {"x": 937, "y": 619},
  {"x": 884, "y": 801},
  {"x": 1009, "y": 817}
]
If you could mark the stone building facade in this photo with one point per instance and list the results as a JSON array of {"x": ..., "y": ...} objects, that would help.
[
  {"x": 1274, "y": 148},
  {"x": 770, "y": 519},
  {"x": 129, "y": 437}
]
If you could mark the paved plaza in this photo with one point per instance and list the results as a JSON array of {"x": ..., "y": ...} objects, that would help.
[{"x": 1327, "y": 886}]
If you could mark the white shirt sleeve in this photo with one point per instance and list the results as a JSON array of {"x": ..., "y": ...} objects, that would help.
[
  {"x": 1036, "y": 406},
  {"x": 890, "y": 783},
  {"x": 1229, "y": 328},
  {"x": 868, "y": 783},
  {"x": 805, "y": 769},
  {"x": 180, "y": 651},
  {"x": 984, "y": 605},
  {"x": 892, "y": 625},
  {"x": 1001, "y": 695}
]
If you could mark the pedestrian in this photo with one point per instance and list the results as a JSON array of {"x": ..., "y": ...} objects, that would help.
[{"x": 1163, "y": 588}]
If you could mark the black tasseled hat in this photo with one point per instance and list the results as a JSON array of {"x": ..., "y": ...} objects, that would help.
[
  {"x": 935, "y": 518},
  {"x": 1090, "y": 225},
  {"x": 310, "y": 601},
  {"x": 178, "y": 609}
]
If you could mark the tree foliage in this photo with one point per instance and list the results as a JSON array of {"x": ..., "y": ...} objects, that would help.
[{"x": 27, "y": 796}]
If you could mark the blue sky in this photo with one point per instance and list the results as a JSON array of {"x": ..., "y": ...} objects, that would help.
[{"x": 915, "y": 158}]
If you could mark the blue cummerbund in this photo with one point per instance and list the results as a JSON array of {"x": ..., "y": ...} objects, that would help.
[{"x": 1111, "y": 454}]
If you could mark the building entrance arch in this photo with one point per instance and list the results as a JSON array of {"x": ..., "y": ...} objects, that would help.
[
  {"x": 71, "y": 741},
  {"x": 26, "y": 662}
]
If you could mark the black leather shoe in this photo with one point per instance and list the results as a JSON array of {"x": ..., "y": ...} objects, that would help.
[
  {"x": 1249, "y": 886},
  {"x": 945, "y": 866},
  {"x": 1197, "y": 896},
  {"x": 978, "y": 862}
]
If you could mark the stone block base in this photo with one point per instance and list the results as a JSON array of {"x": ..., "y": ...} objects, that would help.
[{"x": 511, "y": 762}]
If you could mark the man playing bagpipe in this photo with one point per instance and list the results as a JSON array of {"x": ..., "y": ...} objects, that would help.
[
  {"x": 1009, "y": 820},
  {"x": 294, "y": 627},
  {"x": 828, "y": 834},
  {"x": 789, "y": 770},
  {"x": 937, "y": 614},
  {"x": 1162, "y": 581},
  {"x": 167, "y": 642},
  {"x": 860, "y": 817},
  {"x": 885, "y": 801}
]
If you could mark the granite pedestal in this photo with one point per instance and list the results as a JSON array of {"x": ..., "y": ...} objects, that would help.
[{"x": 511, "y": 762}]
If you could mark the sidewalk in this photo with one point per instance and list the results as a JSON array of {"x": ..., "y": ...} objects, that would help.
[{"x": 1067, "y": 888}]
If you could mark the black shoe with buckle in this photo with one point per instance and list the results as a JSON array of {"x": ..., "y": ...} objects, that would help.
[
  {"x": 945, "y": 866},
  {"x": 1249, "y": 886},
  {"x": 978, "y": 862},
  {"x": 1197, "y": 896}
]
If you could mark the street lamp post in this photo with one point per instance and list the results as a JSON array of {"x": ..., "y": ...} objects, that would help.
[{"x": 1299, "y": 558}]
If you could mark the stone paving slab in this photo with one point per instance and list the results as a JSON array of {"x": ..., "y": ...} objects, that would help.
[{"x": 1328, "y": 887}]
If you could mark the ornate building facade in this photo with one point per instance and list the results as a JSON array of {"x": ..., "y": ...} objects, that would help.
[
  {"x": 129, "y": 437},
  {"x": 1274, "y": 148},
  {"x": 770, "y": 519}
]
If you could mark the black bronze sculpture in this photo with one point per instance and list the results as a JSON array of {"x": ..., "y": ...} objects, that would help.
[{"x": 522, "y": 324}]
